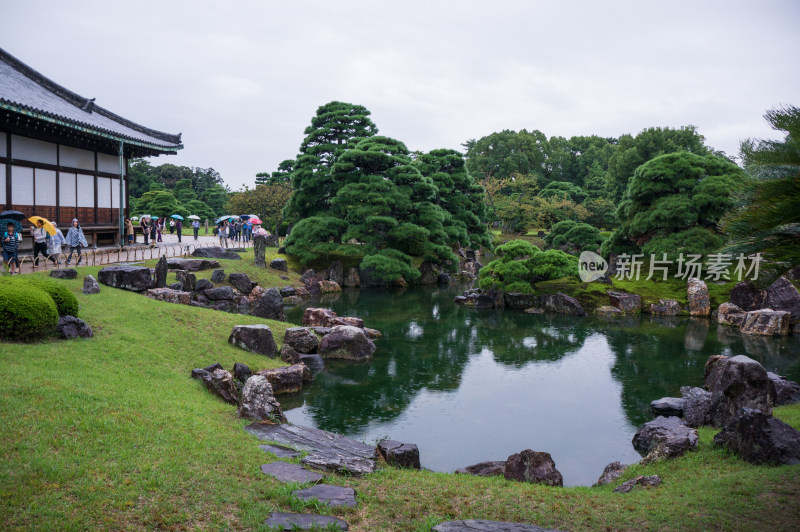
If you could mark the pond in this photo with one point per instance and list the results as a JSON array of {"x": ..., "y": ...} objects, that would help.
[{"x": 468, "y": 386}]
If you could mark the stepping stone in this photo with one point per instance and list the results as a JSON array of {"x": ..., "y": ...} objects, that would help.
[
  {"x": 303, "y": 522},
  {"x": 329, "y": 494},
  {"x": 326, "y": 451},
  {"x": 286, "y": 472},
  {"x": 279, "y": 450},
  {"x": 482, "y": 525}
]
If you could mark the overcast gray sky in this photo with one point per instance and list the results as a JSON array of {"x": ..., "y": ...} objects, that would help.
[{"x": 242, "y": 79}]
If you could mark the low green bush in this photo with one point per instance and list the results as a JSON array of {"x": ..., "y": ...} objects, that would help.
[
  {"x": 65, "y": 300},
  {"x": 26, "y": 312}
]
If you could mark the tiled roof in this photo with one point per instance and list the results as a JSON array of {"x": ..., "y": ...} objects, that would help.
[{"x": 23, "y": 89}]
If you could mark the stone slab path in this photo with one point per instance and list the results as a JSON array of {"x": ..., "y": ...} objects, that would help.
[
  {"x": 287, "y": 521},
  {"x": 279, "y": 450},
  {"x": 287, "y": 472},
  {"x": 329, "y": 495},
  {"x": 326, "y": 450}
]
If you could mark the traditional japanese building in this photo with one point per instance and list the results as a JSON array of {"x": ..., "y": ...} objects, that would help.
[{"x": 62, "y": 156}]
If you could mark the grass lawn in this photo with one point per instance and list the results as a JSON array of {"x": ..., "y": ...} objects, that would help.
[{"x": 112, "y": 433}]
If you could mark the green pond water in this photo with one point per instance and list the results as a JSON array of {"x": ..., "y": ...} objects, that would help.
[{"x": 471, "y": 385}]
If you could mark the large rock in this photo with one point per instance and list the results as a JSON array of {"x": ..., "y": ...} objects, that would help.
[
  {"x": 66, "y": 273},
  {"x": 134, "y": 278},
  {"x": 286, "y": 472},
  {"x": 648, "y": 482},
  {"x": 736, "y": 383},
  {"x": 336, "y": 272},
  {"x": 760, "y": 438},
  {"x": 351, "y": 278},
  {"x": 326, "y": 450},
  {"x": 780, "y": 295},
  {"x": 495, "y": 468},
  {"x": 323, "y": 317},
  {"x": 70, "y": 327},
  {"x": 241, "y": 282},
  {"x": 218, "y": 276},
  {"x": 160, "y": 274},
  {"x": 519, "y": 300},
  {"x": 627, "y": 303},
  {"x": 241, "y": 372},
  {"x": 279, "y": 264},
  {"x": 607, "y": 311},
  {"x": 258, "y": 401},
  {"x": 271, "y": 241},
  {"x": 169, "y": 295},
  {"x": 561, "y": 304},
  {"x": 286, "y": 522},
  {"x": 301, "y": 339},
  {"x": 259, "y": 251},
  {"x": 254, "y": 338},
  {"x": 786, "y": 392},
  {"x": 220, "y": 293},
  {"x": 697, "y": 294},
  {"x": 191, "y": 265},
  {"x": 611, "y": 473},
  {"x": 668, "y": 406},
  {"x": 664, "y": 438},
  {"x": 665, "y": 307},
  {"x": 532, "y": 466},
  {"x": 188, "y": 280},
  {"x": 287, "y": 379},
  {"x": 346, "y": 342},
  {"x": 767, "y": 322},
  {"x": 399, "y": 454},
  {"x": 90, "y": 285},
  {"x": 203, "y": 284},
  {"x": 329, "y": 287},
  {"x": 730, "y": 314},
  {"x": 219, "y": 382},
  {"x": 696, "y": 406},
  {"x": 215, "y": 253},
  {"x": 289, "y": 354},
  {"x": 269, "y": 306}
]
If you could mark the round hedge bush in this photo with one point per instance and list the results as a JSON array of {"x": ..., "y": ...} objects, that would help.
[
  {"x": 65, "y": 300},
  {"x": 26, "y": 312}
]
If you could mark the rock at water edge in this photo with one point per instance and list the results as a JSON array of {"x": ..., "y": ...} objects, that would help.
[
  {"x": 532, "y": 466},
  {"x": 697, "y": 295},
  {"x": 254, "y": 338},
  {"x": 611, "y": 473},
  {"x": 736, "y": 383},
  {"x": 399, "y": 454},
  {"x": 346, "y": 342},
  {"x": 258, "y": 401},
  {"x": 664, "y": 438},
  {"x": 760, "y": 439}
]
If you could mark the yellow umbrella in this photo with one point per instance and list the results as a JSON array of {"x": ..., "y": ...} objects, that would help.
[{"x": 45, "y": 223}]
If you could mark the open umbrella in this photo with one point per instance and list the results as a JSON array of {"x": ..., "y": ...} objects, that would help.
[
  {"x": 255, "y": 220},
  {"x": 134, "y": 218},
  {"x": 177, "y": 216},
  {"x": 14, "y": 215},
  {"x": 193, "y": 217},
  {"x": 221, "y": 219},
  {"x": 45, "y": 223},
  {"x": 233, "y": 217},
  {"x": 146, "y": 216}
]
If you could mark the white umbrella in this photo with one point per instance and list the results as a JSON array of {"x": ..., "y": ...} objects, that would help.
[{"x": 193, "y": 217}]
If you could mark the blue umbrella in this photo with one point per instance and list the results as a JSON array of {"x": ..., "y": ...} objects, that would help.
[{"x": 177, "y": 216}]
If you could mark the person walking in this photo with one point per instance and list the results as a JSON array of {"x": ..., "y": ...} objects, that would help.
[
  {"x": 56, "y": 241},
  {"x": 11, "y": 240},
  {"x": 145, "y": 229},
  {"x": 171, "y": 226},
  {"x": 222, "y": 230},
  {"x": 75, "y": 240},
  {"x": 39, "y": 241},
  {"x": 129, "y": 235},
  {"x": 153, "y": 229},
  {"x": 196, "y": 227},
  {"x": 179, "y": 228},
  {"x": 160, "y": 228}
]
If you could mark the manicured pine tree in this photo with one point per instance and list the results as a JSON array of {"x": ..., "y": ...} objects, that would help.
[{"x": 336, "y": 127}]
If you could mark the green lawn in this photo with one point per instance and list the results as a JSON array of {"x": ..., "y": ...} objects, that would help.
[{"x": 112, "y": 433}]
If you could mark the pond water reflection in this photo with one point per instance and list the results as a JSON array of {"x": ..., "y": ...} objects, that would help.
[{"x": 469, "y": 386}]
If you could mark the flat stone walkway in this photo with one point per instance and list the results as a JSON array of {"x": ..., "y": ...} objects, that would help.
[
  {"x": 329, "y": 495},
  {"x": 289, "y": 521},
  {"x": 288, "y": 472}
]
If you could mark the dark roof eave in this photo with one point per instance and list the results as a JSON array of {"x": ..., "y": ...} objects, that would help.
[{"x": 166, "y": 149}]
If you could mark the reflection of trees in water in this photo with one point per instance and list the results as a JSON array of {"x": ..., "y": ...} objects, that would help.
[
  {"x": 426, "y": 343},
  {"x": 428, "y": 340},
  {"x": 517, "y": 339},
  {"x": 653, "y": 361}
]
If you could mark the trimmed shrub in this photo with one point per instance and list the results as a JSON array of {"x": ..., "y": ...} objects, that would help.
[
  {"x": 26, "y": 312},
  {"x": 65, "y": 300}
]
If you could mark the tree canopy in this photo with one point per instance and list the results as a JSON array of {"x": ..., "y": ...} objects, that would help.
[{"x": 520, "y": 265}]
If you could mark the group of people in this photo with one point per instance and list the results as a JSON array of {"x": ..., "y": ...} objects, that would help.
[
  {"x": 153, "y": 229},
  {"x": 237, "y": 231},
  {"x": 49, "y": 246}
]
